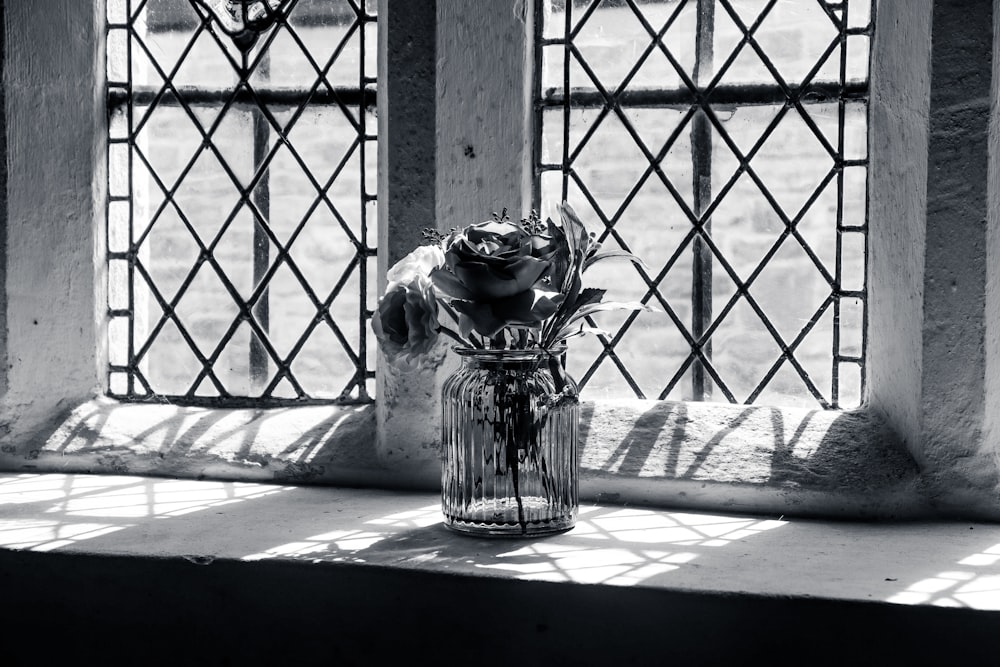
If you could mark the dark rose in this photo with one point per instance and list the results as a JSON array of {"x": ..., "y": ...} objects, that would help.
[
  {"x": 494, "y": 273},
  {"x": 528, "y": 309},
  {"x": 489, "y": 261},
  {"x": 405, "y": 322}
]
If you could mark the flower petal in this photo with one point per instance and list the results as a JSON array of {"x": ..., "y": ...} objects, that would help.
[
  {"x": 446, "y": 282},
  {"x": 421, "y": 261},
  {"x": 478, "y": 316},
  {"x": 488, "y": 281},
  {"x": 405, "y": 322}
]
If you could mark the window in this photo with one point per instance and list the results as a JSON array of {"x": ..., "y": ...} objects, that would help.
[
  {"x": 725, "y": 143},
  {"x": 241, "y": 211},
  {"x": 927, "y": 324}
]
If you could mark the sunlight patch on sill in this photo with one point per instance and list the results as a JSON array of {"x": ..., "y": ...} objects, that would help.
[
  {"x": 49, "y": 535},
  {"x": 585, "y": 559},
  {"x": 348, "y": 545},
  {"x": 162, "y": 498},
  {"x": 917, "y": 563},
  {"x": 78, "y": 508},
  {"x": 615, "y": 546},
  {"x": 966, "y": 587}
]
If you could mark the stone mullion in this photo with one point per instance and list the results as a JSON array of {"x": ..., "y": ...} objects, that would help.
[{"x": 407, "y": 198}]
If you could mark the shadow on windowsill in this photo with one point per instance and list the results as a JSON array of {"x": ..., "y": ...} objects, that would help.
[{"x": 794, "y": 461}]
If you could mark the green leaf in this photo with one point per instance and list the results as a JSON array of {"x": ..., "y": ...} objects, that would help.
[
  {"x": 588, "y": 296},
  {"x": 590, "y": 309},
  {"x": 613, "y": 254},
  {"x": 567, "y": 330},
  {"x": 573, "y": 302},
  {"x": 578, "y": 238},
  {"x": 613, "y": 305},
  {"x": 570, "y": 332}
]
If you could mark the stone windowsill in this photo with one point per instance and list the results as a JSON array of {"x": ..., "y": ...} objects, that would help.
[
  {"x": 615, "y": 545},
  {"x": 320, "y": 569}
]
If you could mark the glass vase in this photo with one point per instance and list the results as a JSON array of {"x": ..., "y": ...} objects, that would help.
[{"x": 510, "y": 420}]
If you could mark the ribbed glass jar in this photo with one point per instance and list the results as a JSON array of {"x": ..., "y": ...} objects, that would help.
[{"x": 509, "y": 433}]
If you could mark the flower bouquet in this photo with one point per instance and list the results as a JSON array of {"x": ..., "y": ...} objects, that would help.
[{"x": 510, "y": 294}]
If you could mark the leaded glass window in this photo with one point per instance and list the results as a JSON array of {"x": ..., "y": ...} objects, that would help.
[
  {"x": 725, "y": 142},
  {"x": 240, "y": 236}
]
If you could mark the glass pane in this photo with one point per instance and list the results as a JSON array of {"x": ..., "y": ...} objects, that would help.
[
  {"x": 750, "y": 225},
  {"x": 244, "y": 171}
]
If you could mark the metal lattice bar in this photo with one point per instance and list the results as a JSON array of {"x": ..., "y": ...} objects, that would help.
[
  {"x": 735, "y": 95},
  {"x": 861, "y": 360},
  {"x": 701, "y": 160},
  {"x": 129, "y": 113},
  {"x": 261, "y": 244},
  {"x": 273, "y": 97}
]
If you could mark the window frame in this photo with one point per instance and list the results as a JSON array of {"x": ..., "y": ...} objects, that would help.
[{"x": 896, "y": 456}]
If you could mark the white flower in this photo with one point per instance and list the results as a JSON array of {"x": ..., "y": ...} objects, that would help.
[{"x": 420, "y": 262}]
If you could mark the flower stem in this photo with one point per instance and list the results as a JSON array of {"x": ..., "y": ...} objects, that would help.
[
  {"x": 448, "y": 309},
  {"x": 522, "y": 341},
  {"x": 454, "y": 336}
]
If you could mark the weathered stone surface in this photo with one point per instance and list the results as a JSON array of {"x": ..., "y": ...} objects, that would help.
[{"x": 817, "y": 462}]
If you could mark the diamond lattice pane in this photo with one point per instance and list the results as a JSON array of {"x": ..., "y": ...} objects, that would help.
[
  {"x": 724, "y": 141},
  {"x": 243, "y": 203}
]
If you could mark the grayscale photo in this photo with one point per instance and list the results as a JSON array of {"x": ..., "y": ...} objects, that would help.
[{"x": 512, "y": 332}]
